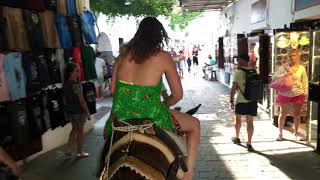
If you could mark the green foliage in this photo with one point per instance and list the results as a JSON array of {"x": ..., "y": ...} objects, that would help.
[
  {"x": 117, "y": 8},
  {"x": 140, "y": 8},
  {"x": 183, "y": 18}
]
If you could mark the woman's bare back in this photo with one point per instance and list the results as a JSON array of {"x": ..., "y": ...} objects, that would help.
[{"x": 147, "y": 74}]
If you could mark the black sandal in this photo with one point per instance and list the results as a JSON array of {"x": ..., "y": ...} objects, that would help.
[{"x": 236, "y": 140}]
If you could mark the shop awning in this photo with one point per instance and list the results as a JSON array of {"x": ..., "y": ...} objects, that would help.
[{"x": 216, "y": 5}]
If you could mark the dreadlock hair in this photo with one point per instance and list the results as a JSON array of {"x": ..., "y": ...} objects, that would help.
[{"x": 149, "y": 39}]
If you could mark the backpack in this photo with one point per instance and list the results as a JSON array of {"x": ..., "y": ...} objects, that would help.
[{"x": 253, "y": 90}]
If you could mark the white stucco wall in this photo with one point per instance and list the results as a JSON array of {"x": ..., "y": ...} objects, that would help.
[
  {"x": 237, "y": 18},
  {"x": 242, "y": 15},
  {"x": 280, "y": 13}
]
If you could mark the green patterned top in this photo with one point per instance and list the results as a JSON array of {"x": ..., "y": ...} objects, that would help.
[{"x": 136, "y": 101}]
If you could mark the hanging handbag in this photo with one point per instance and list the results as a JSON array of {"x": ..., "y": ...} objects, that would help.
[{"x": 282, "y": 84}]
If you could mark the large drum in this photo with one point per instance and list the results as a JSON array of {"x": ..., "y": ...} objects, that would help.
[{"x": 141, "y": 150}]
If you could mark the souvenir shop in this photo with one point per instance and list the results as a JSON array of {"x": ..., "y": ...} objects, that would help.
[
  {"x": 267, "y": 52},
  {"x": 37, "y": 38},
  {"x": 303, "y": 37}
]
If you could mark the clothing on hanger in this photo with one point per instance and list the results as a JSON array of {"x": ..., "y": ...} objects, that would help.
[
  {"x": 33, "y": 26},
  {"x": 87, "y": 26},
  {"x": 49, "y": 30},
  {"x": 16, "y": 32},
  {"x": 15, "y": 75},
  {"x": 63, "y": 31}
]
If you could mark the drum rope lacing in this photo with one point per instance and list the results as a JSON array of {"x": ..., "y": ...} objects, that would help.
[{"x": 130, "y": 129}]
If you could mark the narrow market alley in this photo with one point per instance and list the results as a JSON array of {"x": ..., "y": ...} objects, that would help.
[
  {"x": 218, "y": 157},
  {"x": 58, "y": 58}
]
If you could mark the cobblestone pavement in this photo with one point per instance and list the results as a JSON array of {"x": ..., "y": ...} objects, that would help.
[{"x": 218, "y": 157}]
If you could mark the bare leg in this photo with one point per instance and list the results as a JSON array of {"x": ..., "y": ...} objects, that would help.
[
  {"x": 101, "y": 91},
  {"x": 250, "y": 128},
  {"x": 237, "y": 124},
  {"x": 204, "y": 71},
  {"x": 80, "y": 137},
  {"x": 191, "y": 126},
  {"x": 98, "y": 95},
  {"x": 282, "y": 117},
  {"x": 297, "y": 117},
  {"x": 72, "y": 138}
]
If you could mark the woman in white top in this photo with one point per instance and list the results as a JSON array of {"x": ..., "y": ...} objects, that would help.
[{"x": 296, "y": 96}]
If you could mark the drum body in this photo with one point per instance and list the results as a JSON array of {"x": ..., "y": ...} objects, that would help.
[{"x": 145, "y": 153}]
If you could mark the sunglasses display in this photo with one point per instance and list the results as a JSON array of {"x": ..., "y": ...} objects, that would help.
[
  {"x": 284, "y": 51},
  {"x": 281, "y": 59},
  {"x": 304, "y": 58},
  {"x": 305, "y": 49},
  {"x": 286, "y": 42}
]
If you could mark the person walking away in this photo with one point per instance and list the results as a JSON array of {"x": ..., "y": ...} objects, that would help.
[
  {"x": 189, "y": 64},
  {"x": 296, "y": 96},
  {"x": 181, "y": 62},
  {"x": 176, "y": 60},
  {"x": 134, "y": 89},
  {"x": 211, "y": 63},
  {"x": 195, "y": 54},
  {"x": 243, "y": 107},
  {"x": 76, "y": 109},
  {"x": 99, "y": 65}
]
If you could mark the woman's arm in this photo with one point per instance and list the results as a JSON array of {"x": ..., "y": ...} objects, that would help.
[
  {"x": 304, "y": 81},
  {"x": 173, "y": 80},
  {"x": 83, "y": 103},
  {"x": 114, "y": 78},
  {"x": 8, "y": 161}
]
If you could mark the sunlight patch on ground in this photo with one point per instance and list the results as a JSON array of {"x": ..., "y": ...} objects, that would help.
[
  {"x": 244, "y": 165},
  {"x": 206, "y": 117}
]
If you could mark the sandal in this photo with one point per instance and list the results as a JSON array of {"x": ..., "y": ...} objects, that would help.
[
  {"x": 280, "y": 138},
  {"x": 235, "y": 140},
  {"x": 299, "y": 138},
  {"x": 250, "y": 148},
  {"x": 83, "y": 155}
]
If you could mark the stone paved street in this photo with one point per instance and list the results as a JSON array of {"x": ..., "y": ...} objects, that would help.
[{"x": 218, "y": 157}]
